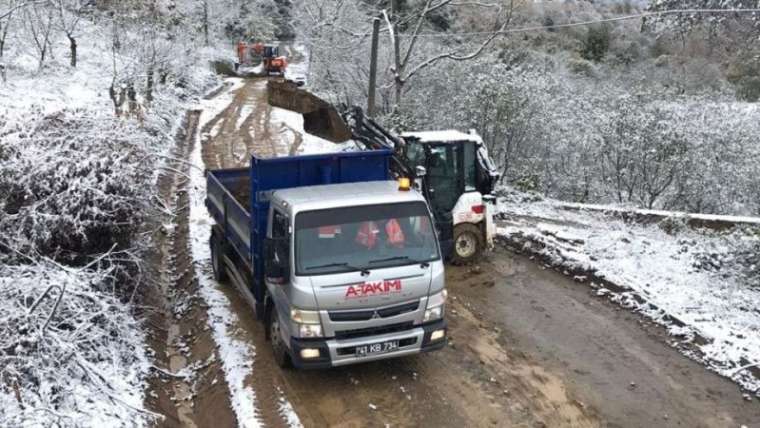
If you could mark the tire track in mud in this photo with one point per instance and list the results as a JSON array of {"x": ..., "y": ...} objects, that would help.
[
  {"x": 189, "y": 390},
  {"x": 226, "y": 130},
  {"x": 236, "y": 132},
  {"x": 462, "y": 385}
]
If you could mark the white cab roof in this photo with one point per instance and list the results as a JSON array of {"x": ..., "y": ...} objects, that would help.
[
  {"x": 343, "y": 195},
  {"x": 446, "y": 136}
]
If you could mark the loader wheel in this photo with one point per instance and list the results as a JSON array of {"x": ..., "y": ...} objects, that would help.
[
  {"x": 275, "y": 340},
  {"x": 220, "y": 274},
  {"x": 468, "y": 244}
]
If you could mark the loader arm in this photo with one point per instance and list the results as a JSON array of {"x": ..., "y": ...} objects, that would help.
[
  {"x": 337, "y": 124},
  {"x": 343, "y": 123}
]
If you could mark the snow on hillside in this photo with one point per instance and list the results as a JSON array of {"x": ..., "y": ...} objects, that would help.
[
  {"x": 700, "y": 284},
  {"x": 75, "y": 168}
]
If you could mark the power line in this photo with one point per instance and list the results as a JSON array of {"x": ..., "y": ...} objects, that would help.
[
  {"x": 584, "y": 23},
  {"x": 555, "y": 26}
]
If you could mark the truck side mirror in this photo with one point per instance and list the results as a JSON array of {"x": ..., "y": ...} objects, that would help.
[
  {"x": 277, "y": 260},
  {"x": 420, "y": 171}
]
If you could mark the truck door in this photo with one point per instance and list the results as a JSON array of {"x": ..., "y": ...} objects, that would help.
[{"x": 280, "y": 233}]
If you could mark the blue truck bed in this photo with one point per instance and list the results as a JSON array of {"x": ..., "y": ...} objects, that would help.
[{"x": 238, "y": 199}]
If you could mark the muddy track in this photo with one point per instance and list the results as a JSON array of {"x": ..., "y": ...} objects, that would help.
[
  {"x": 473, "y": 382},
  {"x": 243, "y": 128},
  {"x": 189, "y": 387}
]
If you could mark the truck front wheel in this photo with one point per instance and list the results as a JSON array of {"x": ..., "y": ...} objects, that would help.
[
  {"x": 468, "y": 244},
  {"x": 275, "y": 340}
]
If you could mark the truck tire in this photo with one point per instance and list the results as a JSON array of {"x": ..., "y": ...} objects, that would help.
[
  {"x": 468, "y": 244},
  {"x": 279, "y": 351},
  {"x": 220, "y": 274}
]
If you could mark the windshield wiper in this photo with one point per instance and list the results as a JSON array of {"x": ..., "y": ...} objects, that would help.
[
  {"x": 394, "y": 258},
  {"x": 339, "y": 264},
  {"x": 390, "y": 259},
  {"x": 328, "y": 265}
]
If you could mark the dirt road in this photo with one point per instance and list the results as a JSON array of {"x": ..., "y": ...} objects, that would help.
[{"x": 528, "y": 347}]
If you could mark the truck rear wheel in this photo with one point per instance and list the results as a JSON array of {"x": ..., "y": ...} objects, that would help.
[
  {"x": 275, "y": 340},
  {"x": 220, "y": 274},
  {"x": 468, "y": 244}
]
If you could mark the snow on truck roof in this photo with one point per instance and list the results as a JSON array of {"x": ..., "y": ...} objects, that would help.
[
  {"x": 445, "y": 136},
  {"x": 346, "y": 194}
]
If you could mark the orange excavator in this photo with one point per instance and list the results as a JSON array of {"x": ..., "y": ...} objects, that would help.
[{"x": 273, "y": 63}]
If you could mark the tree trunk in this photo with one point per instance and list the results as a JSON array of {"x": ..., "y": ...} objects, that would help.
[
  {"x": 114, "y": 99},
  {"x": 149, "y": 86},
  {"x": 73, "y": 48},
  {"x": 43, "y": 54},
  {"x": 2, "y": 40},
  {"x": 4, "y": 33},
  {"x": 131, "y": 98},
  {"x": 205, "y": 21}
]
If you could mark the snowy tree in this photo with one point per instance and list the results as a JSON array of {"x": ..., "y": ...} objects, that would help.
[
  {"x": 229, "y": 20},
  {"x": 7, "y": 10},
  {"x": 336, "y": 31},
  {"x": 69, "y": 15},
  {"x": 38, "y": 21}
]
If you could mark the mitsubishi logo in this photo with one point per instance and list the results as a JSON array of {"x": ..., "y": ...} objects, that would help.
[{"x": 375, "y": 316}]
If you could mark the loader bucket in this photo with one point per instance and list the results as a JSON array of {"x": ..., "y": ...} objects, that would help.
[{"x": 320, "y": 118}]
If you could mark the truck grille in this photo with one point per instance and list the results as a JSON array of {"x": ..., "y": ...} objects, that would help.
[
  {"x": 367, "y": 314},
  {"x": 373, "y": 331}
]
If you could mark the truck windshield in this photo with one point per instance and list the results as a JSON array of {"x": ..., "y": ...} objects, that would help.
[{"x": 363, "y": 238}]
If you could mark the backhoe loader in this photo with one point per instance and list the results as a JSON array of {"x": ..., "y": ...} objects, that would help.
[{"x": 452, "y": 169}]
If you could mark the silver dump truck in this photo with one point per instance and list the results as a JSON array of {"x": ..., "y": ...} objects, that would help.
[{"x": 341, "y": 263}]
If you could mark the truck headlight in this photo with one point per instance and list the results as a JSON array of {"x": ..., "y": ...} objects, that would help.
[
  {"x": 302, "y": 316},
  {"x": 434, "y": 313},
  {"x": 308, "y": 322},
  {"x": 310, "y": 330},
  {"x": 435, "y": 306}
]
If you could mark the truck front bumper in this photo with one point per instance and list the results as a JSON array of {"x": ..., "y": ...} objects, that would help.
[{"x": 341, "y": 352}]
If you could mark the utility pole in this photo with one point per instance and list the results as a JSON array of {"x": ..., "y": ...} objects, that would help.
[
  {"x": 396, "y": 53},
  {"x": 373, "y": 68}
]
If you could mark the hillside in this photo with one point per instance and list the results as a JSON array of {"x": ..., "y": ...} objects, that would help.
[{"x": 644, "y": 112}]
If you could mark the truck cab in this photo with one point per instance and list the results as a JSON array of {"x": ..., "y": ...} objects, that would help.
[
  {"x": 354, "y": 273},
  {"x": 342, "y": 263}
]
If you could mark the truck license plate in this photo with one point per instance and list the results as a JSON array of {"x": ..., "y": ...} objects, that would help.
[{"x": 376, "y": 348}]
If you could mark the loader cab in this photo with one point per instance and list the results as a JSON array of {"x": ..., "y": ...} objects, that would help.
[
  {"x": 453, "y": 182},
  {"x": 451, "y": 166},
  {"x": 447, "y": 174}
]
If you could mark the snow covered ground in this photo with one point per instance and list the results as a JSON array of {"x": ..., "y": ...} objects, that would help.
[
  {"x": 73, "y": 353},
  {"x": 703, "y": 285}
]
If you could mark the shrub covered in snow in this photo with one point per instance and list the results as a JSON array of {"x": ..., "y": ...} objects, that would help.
[
  {"x": 69, "y": 355},
  {"x": 73, "y": 183}
]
